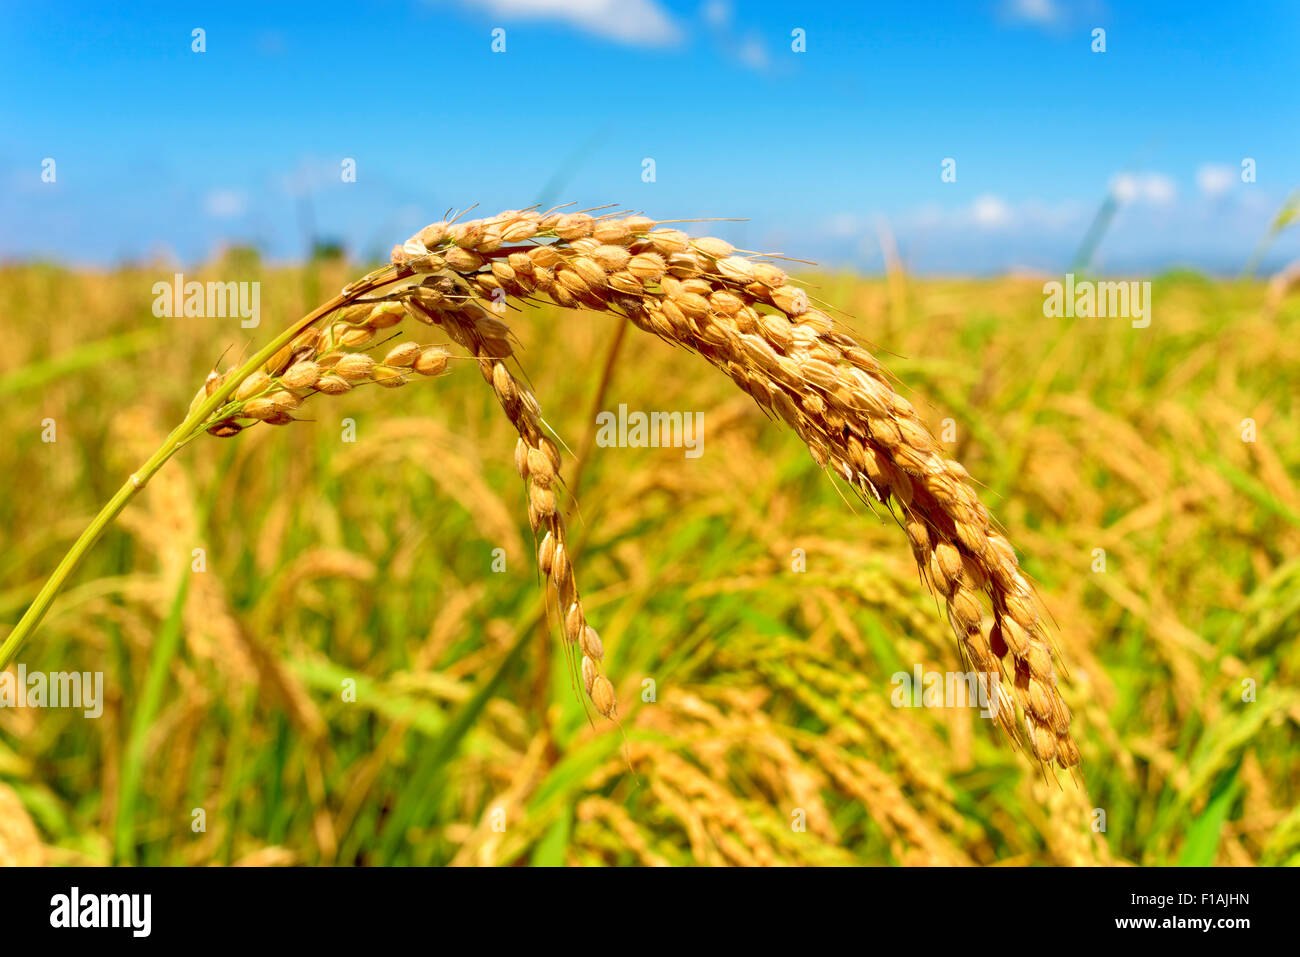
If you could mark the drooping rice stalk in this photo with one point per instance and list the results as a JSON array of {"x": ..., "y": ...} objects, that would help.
[{"x": 742, "y": 315}]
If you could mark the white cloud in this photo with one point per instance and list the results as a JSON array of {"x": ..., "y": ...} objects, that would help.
[
  {"x": 1033, "y": 11},
  {"x": 225, "y": 203},
  {"x": 716, "y": 13},
  {"x": 844, "y": 225},
  {"x": 929, "y": 215},
  {"x": 1215, "y": 179},
  {"x": 753, "y": 54},
  {"x": 1158, "y": 189},
  {"x": 1064, "y": 214},
  {"x": 311, "y": 174},
  {"x": 1001, "y": 231},
  {"x": 1154, "y": 188},
  {"x": 990, "y": 211},
  {"x": 1124, "y": 187},
  {"x": 640, "y": 22},
  {"x": 749, "y": 52}
]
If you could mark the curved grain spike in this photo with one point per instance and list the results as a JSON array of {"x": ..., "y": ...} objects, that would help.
[
  {"x": 746, "y": 318},
  {"x": 537, "y": 460}
]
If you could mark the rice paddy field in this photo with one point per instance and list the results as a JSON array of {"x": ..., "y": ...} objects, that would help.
[{"x": 360, "y": 668}]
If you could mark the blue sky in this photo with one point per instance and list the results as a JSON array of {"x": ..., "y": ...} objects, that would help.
[{"x": 163, "y": 151}]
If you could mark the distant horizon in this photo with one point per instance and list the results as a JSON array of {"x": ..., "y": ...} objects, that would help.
[
  {"x": 1230, "y": 268},
  {"x": 1264, "y": 273}
]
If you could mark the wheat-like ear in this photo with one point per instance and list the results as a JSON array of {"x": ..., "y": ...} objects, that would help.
[
  {"x": 324, "y": 361},
  {"x": 537, "y": 459},
  {"x": 739, "y": 313},
  {"x": 746, "y": 318}
]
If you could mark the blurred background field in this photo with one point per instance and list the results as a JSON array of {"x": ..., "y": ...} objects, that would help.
[{"x": 369, "y": 565}]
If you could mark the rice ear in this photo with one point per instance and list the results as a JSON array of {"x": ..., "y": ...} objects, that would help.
[{"x": 748, "y": 319}]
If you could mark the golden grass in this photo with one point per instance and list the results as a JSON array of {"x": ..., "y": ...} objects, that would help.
[{"x": 771, "y": 736}]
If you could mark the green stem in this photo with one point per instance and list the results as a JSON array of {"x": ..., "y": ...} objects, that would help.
[{"x": 194, "y": 423}]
